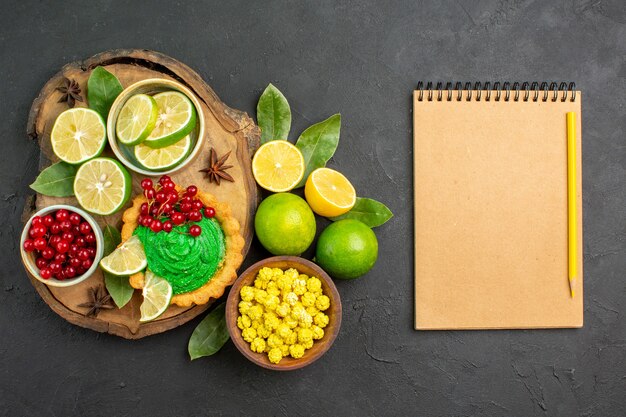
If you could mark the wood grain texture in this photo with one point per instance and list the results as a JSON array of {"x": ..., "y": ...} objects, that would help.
[
  {"x": 226, "y": 130},
  {"x": 319, "y": 347}
]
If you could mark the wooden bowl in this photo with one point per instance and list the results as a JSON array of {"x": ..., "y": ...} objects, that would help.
[{"x": 319, "y": 347}]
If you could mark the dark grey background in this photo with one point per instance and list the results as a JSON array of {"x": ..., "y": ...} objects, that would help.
[{"x": 362, "y": 59}]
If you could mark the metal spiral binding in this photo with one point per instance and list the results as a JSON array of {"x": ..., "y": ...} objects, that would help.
[{"x": 544, "y": 91}]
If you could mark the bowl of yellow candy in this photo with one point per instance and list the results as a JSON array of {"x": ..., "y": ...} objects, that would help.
[{"x": 283, "y": 313}]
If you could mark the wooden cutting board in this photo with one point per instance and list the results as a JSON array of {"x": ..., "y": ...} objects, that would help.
[{"x": 226, "y": 130}]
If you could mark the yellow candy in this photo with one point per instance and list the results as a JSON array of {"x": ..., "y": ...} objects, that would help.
[
  {"x": 308, "y": 299},
  {"x": 291, "y": 339},
  {"x": 258, "y": 345},
  {"x": 284, "y": 349},
  {"x": 243, "y": 322},
  {"x": 244, "y": 307},
  {"x": 255, "y": 312},
  {"x": 283, "y": 330},
  {"x": 274, "y": 341},
  {"x": 255, "y": 323},
  {"x": 263, "y": 332},
  {"x": 283, "y": 310},
  {"x": 314, "y": 285},
  {"x": 291, "y": 274},
  {"x": 271, "y": 302},
  {"x": 321, "y": 320},
  {"x": 246, "y": 293},
  {"x": 272, "y": 289},
  {"x": 248, "y": 334},
  {"x": 305, "y": 335},
  {"x": 296, "y": 351},
  {"x": 308, "y": 345},
  {"x": 270, "y": 320},
  {"x": 284, "y": 282},
  {"x": 299, "y": 286},
  {"x": 322, "y": 302},
  {"x": 312, "y": 311},
  {"x": 260, "y": 296},
  {"x": 318, "y": 332},
  {"x": 291, "y": 322},
  {"x": 291, "y": 298},
  {"x": 275, "y": 355}
]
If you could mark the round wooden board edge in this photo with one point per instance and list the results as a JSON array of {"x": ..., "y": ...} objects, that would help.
[{"x": 232, "y": 120}]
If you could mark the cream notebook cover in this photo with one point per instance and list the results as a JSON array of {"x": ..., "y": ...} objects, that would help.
[{"x": 490, "y": 187}]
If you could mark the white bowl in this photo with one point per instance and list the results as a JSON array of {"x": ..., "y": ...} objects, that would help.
[
  {"x": 28, "y": 258},
  {"x": 150, "y": 86}
]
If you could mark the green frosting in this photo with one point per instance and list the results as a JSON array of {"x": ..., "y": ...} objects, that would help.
[{"x": 186, "y": 262}]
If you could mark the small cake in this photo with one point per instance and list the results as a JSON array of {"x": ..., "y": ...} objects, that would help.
[{"x": 190, "y": 239}]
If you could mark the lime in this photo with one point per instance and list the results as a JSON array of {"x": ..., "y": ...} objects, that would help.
[
  {"x": 157, "y": 294},
  {"x": 78, "y": 135},
  {"x": 163, "y": 158},
  {"x": 347, "y": 249},
  {"x": 329, "y": 193},
  {"x": 177, "y": 118},
  {"x": 102, "y": 186},
  {"x": 136, "y": 120},
  {"x": 285, "y": 224},
  {"x": 278, "y": 166},
  {"x": 129, "y": 258}
]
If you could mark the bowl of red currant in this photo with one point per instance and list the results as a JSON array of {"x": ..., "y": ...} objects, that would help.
[{"x": 61, "y": 245}]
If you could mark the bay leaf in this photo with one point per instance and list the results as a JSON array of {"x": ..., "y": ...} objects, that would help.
[
  {"x": 57, "y": 180},
  {"x": 371, "y": 212},
  {"x": 318, "y": 144},
  {"x": 210, "y": 335},
  {"x": 273, "y": 115},
  {"x": 102, "y": 89},
  {"x": 118, "y": 286}
]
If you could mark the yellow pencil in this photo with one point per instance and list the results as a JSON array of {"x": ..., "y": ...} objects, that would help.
[{"x": 572, "y": 221}]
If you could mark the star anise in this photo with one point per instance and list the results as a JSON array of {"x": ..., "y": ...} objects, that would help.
[
  {"x": 217, "y": 170},
  {"x": 70, "y": 92},
  {"x": 98, "y": 300}
]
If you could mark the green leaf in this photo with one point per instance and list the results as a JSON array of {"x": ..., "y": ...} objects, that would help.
[
  {"x": 210, "y": 335},
  {"x": 57, "y": 180},
  {"x": 273, "y": 114},
  {"x": 118, "y": 286},
  {"x": 102, "y": 89},
  {"x": 318, "y": 144},
  {"x": 370, "y": 212}
]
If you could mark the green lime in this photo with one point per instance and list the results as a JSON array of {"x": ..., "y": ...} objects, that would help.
[
  {"x": 102, "y": 186},
  {"x": 136, "y": 119},
  {"x": 157, "y": 295},
  {"x": 347, "y": 249},
  {"x": 163, "y": 158},
  {"x": 177, "y": 118},
  {"x": 285, "y": 224},
  {"x": 78, "y": 134}
]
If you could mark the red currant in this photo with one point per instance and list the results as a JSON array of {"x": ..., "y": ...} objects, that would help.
[
  {"x": 62, "y": 215},
  {"x": 38, "y": 231},
  {"x": 83, "y": 254},
  {"x": 37, "y": 221},
  {"x": 75, "y": 229},
  {"x": 172, "y": 197},
  {"x": 185, "y": 207},
  {"x": 90, "y": 238},
  {"x": 75, "y": 262},
  {"x": 147, "y": 221},
  {"x": 74, "y": 248},
  {"x": 168, "y": 186},
  {"x": 186, "y": 199},
  {"x": 87, "y": 264},
  {"x": 70, "y": 272},
  {"x": 195, "y": 230},
  {"x": 63, "y": 246},
  {"x": 41, "y": 263},
  {"x": 154, "y": 211},
  {"x": 209, "y": 212},
  {"x": 67, "y": 236},
  {"x": 156, "y": 226},
  {"x": 54, "y": 240},
  {"x": 60, "y": 258},
  {"x": 145, "y": 208},
  {"x": 29, "y": 245},
  {"x": 164, "y": 179},
  {"x": 166, "y": 208},
  {"x": 195, "y": 216},
  {"x": 66, "y": 226},
  {"x": 48, "y": 253},
  {"x": 191, "y": 190},
  {"x": 146, "y": 184},
  {"x": 48, "y": 220},
  {"x": 161, "y": 197},
  {"x": 75, "y": 218},
  {"x": 177, "y": 218},
  {"x": 40, "y": 243},
  {"x": 60, "y": 275},
  {"x": 45, "y": 273},
  {"x": 80, "y": 241},
  {"x": 55, "y": 229},
  {"x": 197, "y": 204},
  {"x": 55, "y": 267},
  {"x": 92, "y": 252},
  {"x": 149, "y": 193},
  {"x": 85, "y": 228},
  {"x": 80, "y": 270},
  {"x": 168, "y": 226}
]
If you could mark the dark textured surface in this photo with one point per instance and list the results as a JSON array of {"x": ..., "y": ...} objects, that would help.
[{"x": 360, "y": 58}]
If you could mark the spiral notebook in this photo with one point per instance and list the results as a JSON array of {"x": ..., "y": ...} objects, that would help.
[{"x": 491, "y": 206}]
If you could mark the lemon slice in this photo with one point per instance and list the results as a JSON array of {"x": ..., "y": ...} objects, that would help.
[
  {"x": 278, "y": 166},
  {"x": 136, "y": 120},
  {"x": 329, "y": 193},
  {"x": 78, "y": 135},
  {"x": 157, "y": 294},
  {"x": 163, "y": 158},
  {"x": 176, "y": 119},
  {"x": 102, "y": 186},
  {"x": 129, "y": 258}
]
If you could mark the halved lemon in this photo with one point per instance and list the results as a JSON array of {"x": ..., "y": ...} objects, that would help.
[
  {"x": 102, "y": 186},
  {"x": 78, "y": 134},
  {"x": 157, "y": 295},
  {"x": 136, "y": 120},
  {"x": 162, "y": 159},
  {"x": 129, "y": 258},
  {"x": 177, "y": 118},
  {"x": 329, "y": 193},
  {"x": 278, "y": 166}
]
